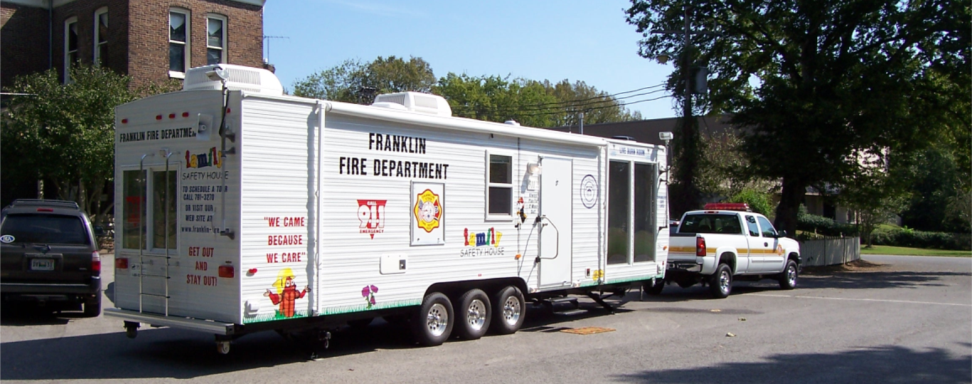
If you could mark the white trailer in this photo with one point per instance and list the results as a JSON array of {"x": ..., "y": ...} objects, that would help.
[{"x": 240, "y": 209}]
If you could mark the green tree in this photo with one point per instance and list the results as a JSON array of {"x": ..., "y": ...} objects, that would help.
[
  {"x": 529, "y": 102},
  {"x": 724, "y": 169},
  {"x": 838, "y": 79},
  {"x": 63, "y": 133},
  {"x": 357, "y": 82}
]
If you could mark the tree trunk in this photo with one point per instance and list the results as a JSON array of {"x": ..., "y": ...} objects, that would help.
[{"x": 792, "y": 196}]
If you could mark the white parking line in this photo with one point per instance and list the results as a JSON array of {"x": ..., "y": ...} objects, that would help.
[{"x": 849, "y": 299}]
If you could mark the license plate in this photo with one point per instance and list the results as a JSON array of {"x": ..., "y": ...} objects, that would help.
[{"x": 42, "y": 264}]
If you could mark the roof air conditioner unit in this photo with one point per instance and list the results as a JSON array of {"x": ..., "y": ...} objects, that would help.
[
  {"x": 237, "y": 77},
  {"x": 415, "y": 102}
]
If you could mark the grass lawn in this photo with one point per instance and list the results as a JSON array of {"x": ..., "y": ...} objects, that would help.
[{"x": 904, "y": 251}]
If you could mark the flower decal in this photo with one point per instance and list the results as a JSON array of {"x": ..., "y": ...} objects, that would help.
[{"x": 368, "y": 292}]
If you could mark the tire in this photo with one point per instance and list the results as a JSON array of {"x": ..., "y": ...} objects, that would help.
[
  {"x": 788, "y": 280},
  {"x": 473, "y": 314},
  {"x": 509, "y": 310},
  {"x": 360, "y": 323},
  {"x": 92, "y": 306},
  {"x": 720, "y": 284},
  {"x": 432, "y": 324},
  {"x": 654, "y": 287}
]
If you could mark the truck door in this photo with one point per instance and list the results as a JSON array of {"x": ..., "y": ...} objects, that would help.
[
  {"x": 773, "y": 251},
  {"x": 556, "y": 223},
  {"x": 755, "y": 246}
]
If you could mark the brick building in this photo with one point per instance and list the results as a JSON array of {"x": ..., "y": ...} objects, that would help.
[{"x": 150, "y": 40}]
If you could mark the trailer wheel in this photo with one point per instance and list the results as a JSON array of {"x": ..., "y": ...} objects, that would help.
[
  {"x": 474, "y": 314},
  {"x": 432, "y": 324},
  {"x": 508, "y": 310},
  {"x": 131, "y": 329},
  {"x": 721, "y": 282},
  {"x": 654, "y": 287},
  {"x": 223, "y": 347}
]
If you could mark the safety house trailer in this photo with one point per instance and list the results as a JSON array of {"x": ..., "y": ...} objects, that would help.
[{"x": 302, "y": 214}]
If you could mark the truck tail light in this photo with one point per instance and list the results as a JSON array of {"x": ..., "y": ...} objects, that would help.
[
  {"x": 95, "y": 262},
  {"x": 121, "y": 263},
  {"x": 699, "y": 246},
  {"x": 226, "y": 271}
]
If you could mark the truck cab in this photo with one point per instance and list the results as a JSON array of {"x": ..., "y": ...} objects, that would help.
[{"x": 727, "y": 241}]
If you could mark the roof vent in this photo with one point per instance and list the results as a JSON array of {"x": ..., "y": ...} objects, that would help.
[
  {"x": 415, "y": 102},
  {"x": 237, "y": 77}
]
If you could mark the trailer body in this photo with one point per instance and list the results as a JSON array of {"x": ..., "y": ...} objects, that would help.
[{"x": 240, "y": 209}]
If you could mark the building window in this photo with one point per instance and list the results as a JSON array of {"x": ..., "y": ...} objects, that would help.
[
  {"x": 499, "y": 184},
  {"x": 70, "y": 46},
  {"x": 215, "y": 39},
  {"x": 101, "y": 37},
  {"x": 178, "y": 42}
]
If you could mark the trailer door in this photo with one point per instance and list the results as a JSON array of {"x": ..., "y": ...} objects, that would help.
[{"x": 556, "y": 226}]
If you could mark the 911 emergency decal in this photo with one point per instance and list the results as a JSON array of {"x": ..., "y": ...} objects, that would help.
[
  {"x": 428, "y": 214},
  {"x": 371, "y": 216}
]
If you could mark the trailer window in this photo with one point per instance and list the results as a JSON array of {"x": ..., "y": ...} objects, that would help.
[
  {"x": 164, "y": 209},
  {"x": 499, "y": 199},
  {"x": 619, "y": 200},
  {"x": 133, "y": 227},
  {"x": 645, "y": 218}
]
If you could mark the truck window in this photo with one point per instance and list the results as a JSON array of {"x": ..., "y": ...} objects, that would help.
[
  {"x": 710, "y": 223},
  {"x": 768, "y": 230},
  {"x": 753, "y": 228}
]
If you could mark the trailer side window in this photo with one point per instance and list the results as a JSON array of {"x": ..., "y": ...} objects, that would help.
[
  {"x": 164, "y": 209},
  {"x": 133, "y": 222},
  {"x": 619, "y": 205},
  {"x": 645, "y": 214},
  {"x": 499, "y": 198}
]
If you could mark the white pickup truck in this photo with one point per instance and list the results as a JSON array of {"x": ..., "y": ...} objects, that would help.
[{"x": 723, "y": 242}]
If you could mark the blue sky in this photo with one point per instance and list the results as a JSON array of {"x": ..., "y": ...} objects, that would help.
[{"x": 585, "y": 40}]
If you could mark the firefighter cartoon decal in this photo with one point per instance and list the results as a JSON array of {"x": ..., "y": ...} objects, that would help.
[{"x": 287, "y": 293}]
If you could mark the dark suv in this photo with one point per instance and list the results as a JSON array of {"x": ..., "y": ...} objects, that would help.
[{"x": 49, "y": 255}]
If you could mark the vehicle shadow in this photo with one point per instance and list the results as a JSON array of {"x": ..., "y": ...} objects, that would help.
[
  {"x": 181, "y": 354},
  {"x": 14, "y": 314},
  {"x": 873, "y": 365}
]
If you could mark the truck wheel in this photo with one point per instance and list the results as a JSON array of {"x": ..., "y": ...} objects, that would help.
[
  {"x": 508, "y": 310},
  {"x": 720, "y": 284},
  {"x": 432, "y": 324},
  {"x": 788, "y": 280},
  {"x": 654, "y": 287},
  {"x": 92, "y": 306},
  {"x": 473, "y": 314}
]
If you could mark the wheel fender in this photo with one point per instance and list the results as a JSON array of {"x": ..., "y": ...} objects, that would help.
[{"x": 711, "y": 262}]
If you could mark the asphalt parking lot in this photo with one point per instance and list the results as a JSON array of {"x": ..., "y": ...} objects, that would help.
[{"x": 896, "y": 319}]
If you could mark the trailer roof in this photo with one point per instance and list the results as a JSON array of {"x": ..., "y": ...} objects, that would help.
[{"x": 445, "y": 122}]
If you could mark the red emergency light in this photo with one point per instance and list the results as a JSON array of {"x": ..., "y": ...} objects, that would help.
[{"x": 727, "y": 207}]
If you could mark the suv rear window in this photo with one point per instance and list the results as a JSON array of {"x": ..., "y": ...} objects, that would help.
[
  {"x": 48, "y": 229},
  {"x": 711, "y": 223}
]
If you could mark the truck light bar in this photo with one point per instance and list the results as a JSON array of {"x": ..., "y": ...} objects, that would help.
[{"x": 727, "y": 207}]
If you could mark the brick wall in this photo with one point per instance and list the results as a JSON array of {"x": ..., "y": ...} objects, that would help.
[
  {"x": 24, "y": 37},
  {"x": 138, "y": 35},
  {"x": 148, "y": 59}
]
